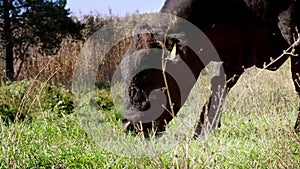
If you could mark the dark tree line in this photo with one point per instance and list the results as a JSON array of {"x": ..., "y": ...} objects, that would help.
[{"x": 33, "y": 23}]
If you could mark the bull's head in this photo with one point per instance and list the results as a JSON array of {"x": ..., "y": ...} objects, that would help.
[{"x": 152, "y": 94}]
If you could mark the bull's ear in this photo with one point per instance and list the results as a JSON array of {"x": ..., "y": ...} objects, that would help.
[{"x": 142, "y": 38}]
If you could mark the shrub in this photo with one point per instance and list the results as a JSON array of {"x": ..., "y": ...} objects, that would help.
[
  {"x": 28, "y": 98},
  {"x": 106, "y": 105}
]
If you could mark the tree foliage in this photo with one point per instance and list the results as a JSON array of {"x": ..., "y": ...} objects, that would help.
[{"x": 31, "y": 23}]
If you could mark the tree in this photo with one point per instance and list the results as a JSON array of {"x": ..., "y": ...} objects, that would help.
[{"x": 29, "y": 23}]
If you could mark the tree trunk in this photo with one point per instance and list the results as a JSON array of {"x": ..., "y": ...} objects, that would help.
[{"x": 8, "y": 37}]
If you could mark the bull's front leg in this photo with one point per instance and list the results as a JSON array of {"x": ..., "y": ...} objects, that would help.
[
  {"x": 210, "y": 116},
  {"x": 295, "y": 68}
]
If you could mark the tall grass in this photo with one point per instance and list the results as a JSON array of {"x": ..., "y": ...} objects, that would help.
[{"x": 58, "y": 68}]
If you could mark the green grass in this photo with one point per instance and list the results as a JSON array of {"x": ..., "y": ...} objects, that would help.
[{"x": 256, "y": 132}]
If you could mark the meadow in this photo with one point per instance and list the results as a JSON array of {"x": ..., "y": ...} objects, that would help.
[{"x": 40, "y": 127}]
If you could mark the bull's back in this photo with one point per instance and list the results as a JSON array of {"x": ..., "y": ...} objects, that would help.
[
  {"x": 203, "y": 12},
  {"x": 244, "y": 32}
]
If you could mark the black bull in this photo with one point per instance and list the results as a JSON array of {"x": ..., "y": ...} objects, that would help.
[{"x": 245, "y": 33}]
